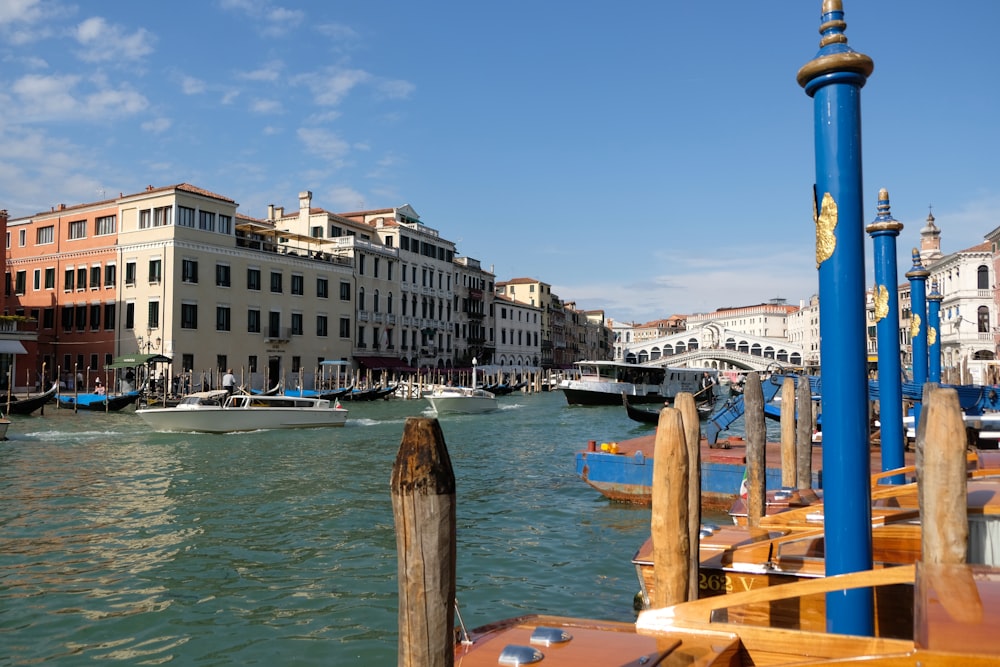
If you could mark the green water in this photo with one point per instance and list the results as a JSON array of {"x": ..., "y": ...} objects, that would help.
[{"x": 277, "y": 547}]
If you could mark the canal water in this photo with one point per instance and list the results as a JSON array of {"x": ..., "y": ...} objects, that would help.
[{"x": 119, "y": 544}]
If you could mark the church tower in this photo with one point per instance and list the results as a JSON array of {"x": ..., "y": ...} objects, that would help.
[{"x": 930, "y": 241}]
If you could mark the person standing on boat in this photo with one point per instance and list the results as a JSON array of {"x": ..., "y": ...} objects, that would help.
[
  {"x": 229, "y": 381},
  {"x": 98, "y": 387},
  {"x": 707, "y": 382}
]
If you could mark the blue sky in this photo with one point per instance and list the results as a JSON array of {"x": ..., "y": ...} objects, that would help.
[{"x": 644, "y": 157}]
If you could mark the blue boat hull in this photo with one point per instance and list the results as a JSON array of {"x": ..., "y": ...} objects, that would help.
[{"x": 629, "y": 478}]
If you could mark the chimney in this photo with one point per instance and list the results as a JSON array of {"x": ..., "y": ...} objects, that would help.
[
  {"x": 270, "y": 211},
  {"x": 305, "y": 201}
]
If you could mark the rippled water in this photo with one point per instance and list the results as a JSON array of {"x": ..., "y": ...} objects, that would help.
[{"x": 278, "y": 546}]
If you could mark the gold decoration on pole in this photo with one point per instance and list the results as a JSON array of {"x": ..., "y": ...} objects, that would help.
[
  {"x": 914, "y": 325},
  {"x": 931, "y": 335},
  {"x": 881, "y": 302},
  {"x": 826, "y": 223}
]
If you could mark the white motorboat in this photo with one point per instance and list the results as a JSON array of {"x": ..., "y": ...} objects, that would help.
[
  {"x": 604, "y": 382},
  {"x": 218, "y": 412},
  {"x": 468, "y": 400},
  {"x": 462, "y": 399}
]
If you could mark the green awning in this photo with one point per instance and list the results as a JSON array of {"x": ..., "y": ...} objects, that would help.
[{"x": 130, "y": 360}]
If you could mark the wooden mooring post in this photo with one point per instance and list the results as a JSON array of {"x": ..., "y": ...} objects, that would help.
[
  {"x": 788, "y": 459},
  {"x": 423, "y": 507},
  {"x": 756, "y": 435},
  {"x": 684, "y": 402},
  {"x": 669, "y": 520},
  {"x": 803, "y": 440}
]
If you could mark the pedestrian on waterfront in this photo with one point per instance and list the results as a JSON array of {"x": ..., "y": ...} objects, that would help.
[{"x": 229, "y": 381}]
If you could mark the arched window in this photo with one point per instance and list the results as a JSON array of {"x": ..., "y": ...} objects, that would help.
[
  {"x": 769, "y": 352},
  {"x": 375, "y": 301},
  {"x": 984, "y": 319},
  {"x": 743, "y": 347},
  {"x": 361, "y": 298},
  {"x": 693, "y": 344},
  {"x": 983, "y": 277},
  {"x": 388, "y": 303},
  {"x": 730, "y": 343},
  {"x": 755, "y": 350}
]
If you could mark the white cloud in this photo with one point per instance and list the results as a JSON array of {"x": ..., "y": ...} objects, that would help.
[
  {"x": 268, "y": 72},
  {"x": 192, "y": 86},
  {"x": 266, "y": 106},
  {"x": 44, "y": 98},
  {"x": 105, "y": 42},
  {"x": 345, "y": 198},
  {"x": 332, "y": 85},
  {"x": 157, "y": 125},
  {"x": 324, "y": 143},
  {"x": 396, "y": 90},
  {"x": 22, "y": 11}
]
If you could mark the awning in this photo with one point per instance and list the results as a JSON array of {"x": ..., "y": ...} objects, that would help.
[
  {"x": 12, "y": 347},
  {"x": 130, "y": 360},
  {"x": 380, "y": 363}
]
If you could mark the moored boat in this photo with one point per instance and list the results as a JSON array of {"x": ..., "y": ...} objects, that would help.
[
  {"x": 98, "y": 402},
  {"x": 218, "y": 412},
  {"x": 647, "y": 416},
  {"x": 25, "y": 406}
]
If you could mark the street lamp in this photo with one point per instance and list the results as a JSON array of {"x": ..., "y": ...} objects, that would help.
[{"x": 474, "y": 362}]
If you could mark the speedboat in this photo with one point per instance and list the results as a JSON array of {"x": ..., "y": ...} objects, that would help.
[
  {"x": 604, "y": 382},
  {"x": 218, "y": 412},
  {"x": 462, "y": 399}
]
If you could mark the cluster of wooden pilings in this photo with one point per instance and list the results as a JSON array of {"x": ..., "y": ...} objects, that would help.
[{"x": 424, "y": 510}]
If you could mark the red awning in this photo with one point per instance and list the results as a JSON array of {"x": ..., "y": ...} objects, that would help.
[{"x": 383, "y": 363}]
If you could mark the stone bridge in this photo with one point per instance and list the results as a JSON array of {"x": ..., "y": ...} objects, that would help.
[{"x": 711, "y": 347}]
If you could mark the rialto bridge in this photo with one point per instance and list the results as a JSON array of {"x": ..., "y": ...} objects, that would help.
[{"x": 713, "y": 347}]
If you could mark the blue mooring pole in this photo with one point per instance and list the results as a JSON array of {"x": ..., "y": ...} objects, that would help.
[
  {"x": 884, "y": 230},
  {"x": 934, "y": 334},
  {"x": 834, "y": 79},
  {"x": 917, "y": 275}
]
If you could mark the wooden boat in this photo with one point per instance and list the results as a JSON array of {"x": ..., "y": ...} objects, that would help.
[
  {"x": 218, "y": 412},
  {"x": 4, "y": 425},
  {"x": 26, "y": 406},
  {"x": 98, "y": 402},
  {"x": 956, "y": 610},
  {"x": 645, "y": 416}
]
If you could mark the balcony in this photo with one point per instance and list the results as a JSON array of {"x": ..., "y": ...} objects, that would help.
[{"x": 279, "y": 335}]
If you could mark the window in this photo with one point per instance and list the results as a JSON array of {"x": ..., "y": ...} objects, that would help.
[
  {"x": 189, "y": 271},
  {"x": 130, "y": 315},
  {"x": 153, "y": 317},
  {"x": 189, "y": 316},
  {"x": 297, "y": 324},
  {"x": 225, "y": 224},
  {"x": 78, "y": 229},
  {"x": 109, "y": 316},
  {"x": 42, "y": 236},
  {"x": 274, "y": 324},
  {"x": 110, "y": 275},
  {"x": 253, "y": 320},
  {"x": 322, "y": 288},
  {"x": 361, "y": 298},
  {"x": 252, "y": 363},
  {"x": 80, "y": 313},
  {"x": 49, "y": 318},
  {"x": 161, "y": 216},
  {"x": 222, "y": 318},
  {"x": 185, "y": 216},
  {"x": 321, "y": 326},
  {"x": 222, "y": 278},
  {"x": 20, "y": 282},
  {"x": 36, "y": 280},
  {"x": 316, "y": 232},
  {"x": 361, "y": 264},
  {"x": 130, "y": 273},
  {"x": 253, "y": 279},
  {"x": 298, "y": 285},
  {"x": 345, "y": 327},
  {"x": 206, "y": 221},
  {"x": 345, "y": 291},
  {"x": 375, "y": 301},
  {"x": 95, "y": 317},
  {"x": 983, "y": 314},
  {"x": 361, "y": 336},
  {"x": 95, "y": 277},
  {"x": 155, "y": 271},
  {"x": 81, "y": 278},
  {"x": 50, "y": 278},
  {"x": 276, "y": 282},
  {"x": 105, "y": 225},
  {"x": 144, "y": 218}
]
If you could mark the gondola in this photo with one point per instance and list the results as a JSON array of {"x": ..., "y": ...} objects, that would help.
[
  {"x": 25, "y": 406},
  {"x": 653, "y": 416},
  {"x": 99, "y": 402}
]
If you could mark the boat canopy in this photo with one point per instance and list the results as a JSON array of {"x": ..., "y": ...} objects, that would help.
[{"x": 130, "y": 360}]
